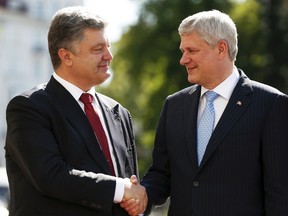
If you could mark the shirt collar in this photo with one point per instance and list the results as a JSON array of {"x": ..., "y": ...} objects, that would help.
[
  {"x": 225, "y": 88},
  {"x": 72, "y": 89}
]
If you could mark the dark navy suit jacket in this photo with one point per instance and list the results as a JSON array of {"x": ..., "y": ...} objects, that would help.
[
  {"x": 244, "y": 171},
  {"x": 54, "y": 162}
]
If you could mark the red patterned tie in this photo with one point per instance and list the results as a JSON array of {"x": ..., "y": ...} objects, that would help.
[{"x": 95, "y": 122}]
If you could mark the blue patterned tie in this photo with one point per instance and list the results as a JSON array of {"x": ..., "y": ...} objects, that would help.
[{"x": 206, "y": 124}]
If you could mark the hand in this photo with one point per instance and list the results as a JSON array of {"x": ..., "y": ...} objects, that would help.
[{"x": 135, "y": 197}]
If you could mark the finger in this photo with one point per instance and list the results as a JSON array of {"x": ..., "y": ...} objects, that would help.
[
  {"x": 129, "y": 204},
  {"x": 133, "y": 206},
  {"x": 134, "y": 211},
  {"x": 143, "y": 205},
  {"x": 133, "y": 179}
]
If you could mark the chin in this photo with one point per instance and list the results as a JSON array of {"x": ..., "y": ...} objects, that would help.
[
  {"x": 108, "y": 72},
  {"x": 191, "y": 80},
  {"x": 105, "y": 78}
]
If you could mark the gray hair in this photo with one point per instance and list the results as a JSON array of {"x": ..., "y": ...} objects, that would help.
[
  {"x": 212, "y": 26},
  {"x": 67, "y": 27}
]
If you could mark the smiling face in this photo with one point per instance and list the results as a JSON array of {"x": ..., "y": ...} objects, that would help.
[
  {"x": 88, "y": 63},
  {"x": 203, "y": 63}
]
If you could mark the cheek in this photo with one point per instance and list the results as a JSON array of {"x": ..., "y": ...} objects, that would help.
[
  {"x": 90, "y": 62},
  {"x": 94, "y": 60},
  {"x": 207, "y": 60}
]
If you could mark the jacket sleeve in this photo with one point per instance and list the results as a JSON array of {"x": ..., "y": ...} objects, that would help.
[
  {"x": 157, "y": 179},
  {"x": 275, "y": 151}
]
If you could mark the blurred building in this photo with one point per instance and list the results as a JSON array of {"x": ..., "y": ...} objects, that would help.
[{"x": 24, "y": 57}]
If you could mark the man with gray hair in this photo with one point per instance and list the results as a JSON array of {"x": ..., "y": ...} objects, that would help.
[
  {"x": 71, "y": 150},
  {"x": 221, "y": 144}
]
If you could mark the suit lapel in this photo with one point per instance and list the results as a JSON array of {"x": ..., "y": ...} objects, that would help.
[
  {"x": 78, "y": 120},
  {"x": 237, "y": 105},
  {"x": 114, "y": 127},
  {"x": 190, "y": 121}
]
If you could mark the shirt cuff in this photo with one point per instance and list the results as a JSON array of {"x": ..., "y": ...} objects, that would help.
[{"x": 119, "y": 190}]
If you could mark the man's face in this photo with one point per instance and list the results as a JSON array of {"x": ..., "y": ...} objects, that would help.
[
  {"x": 200, "y": 60},
  {"x": 91, "y": 59}
]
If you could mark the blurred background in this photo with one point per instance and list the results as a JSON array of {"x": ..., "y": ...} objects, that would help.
[{"x": 145, "y": 45}]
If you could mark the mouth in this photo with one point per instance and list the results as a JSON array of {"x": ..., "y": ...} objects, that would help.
[
  {"x": 105, "y": 67},
  {"x": 190, "y": 69}
]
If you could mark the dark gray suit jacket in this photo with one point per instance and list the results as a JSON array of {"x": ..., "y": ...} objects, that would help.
[
  {"x": 54, "y": 163},
  {"x": 244, "y": 171}
]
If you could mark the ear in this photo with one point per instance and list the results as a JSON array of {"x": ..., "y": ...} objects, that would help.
[
  {"x": 222, "y": 48},
  {"x": 65, "y": 56}
]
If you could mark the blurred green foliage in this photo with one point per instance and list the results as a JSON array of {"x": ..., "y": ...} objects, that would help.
[{"x": 146, "y": 58}]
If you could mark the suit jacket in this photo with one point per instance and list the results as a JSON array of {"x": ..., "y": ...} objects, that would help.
[
  {"x": 244, "y": 171},
  {"x": 54, "y": 162}
]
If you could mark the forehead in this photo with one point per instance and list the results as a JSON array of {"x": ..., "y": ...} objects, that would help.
[
  {"x": 94, "y": 36},
  {"x": 190, "y": 40}
]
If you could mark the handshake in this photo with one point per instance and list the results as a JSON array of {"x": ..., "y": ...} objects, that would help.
[{"x": 135, "y": 197}]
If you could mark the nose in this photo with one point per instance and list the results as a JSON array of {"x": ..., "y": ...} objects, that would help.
[
  {"x": 184, "y": 59},
  {"x": 108, "y": 55}
]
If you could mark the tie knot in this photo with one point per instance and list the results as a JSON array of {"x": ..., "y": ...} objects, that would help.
[
  {"x": 211, "y": 96},
  {"x": 86, "y": 98}
]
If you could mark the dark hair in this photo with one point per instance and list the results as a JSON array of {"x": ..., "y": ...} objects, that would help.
[{"x": 67, "y": 27}]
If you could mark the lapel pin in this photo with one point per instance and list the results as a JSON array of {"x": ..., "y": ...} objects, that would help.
[{"x": 239, "y": 103}]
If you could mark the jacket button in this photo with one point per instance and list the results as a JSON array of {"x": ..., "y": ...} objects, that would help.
[{"x": 195, "y": 183}]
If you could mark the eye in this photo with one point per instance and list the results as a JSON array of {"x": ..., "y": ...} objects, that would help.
[
  {"x": 97, "y": 49},
  {"x": 192, "y": 51},
  {"x": 189, "y": 51}
]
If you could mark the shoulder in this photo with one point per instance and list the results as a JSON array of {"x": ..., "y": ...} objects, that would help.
[
  {"x": 32, "y": 91},
  {"x": 269, "y": 96},
  {"x": 265, "y": 89},
  {"x": 111, "y": 104},
  {"x": 183, "y": 93},
  {"x": 30, "y": 95},
  {"x": 266, "y": 94},
  {"x": 256, "y": 87},
  {"x": 32, "y": 104},
  {"x": 107, "y": 101},
  {"x": 115, "y": 107}
]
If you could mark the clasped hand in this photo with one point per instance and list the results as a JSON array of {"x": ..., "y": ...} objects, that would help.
[{"x": 135, "y": 197}]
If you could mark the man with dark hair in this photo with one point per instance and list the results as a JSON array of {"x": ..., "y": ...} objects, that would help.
[{"x": 70, "y": 150}]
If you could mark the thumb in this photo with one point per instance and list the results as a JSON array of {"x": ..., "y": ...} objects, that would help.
[{"x": 133, "y": 179}]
